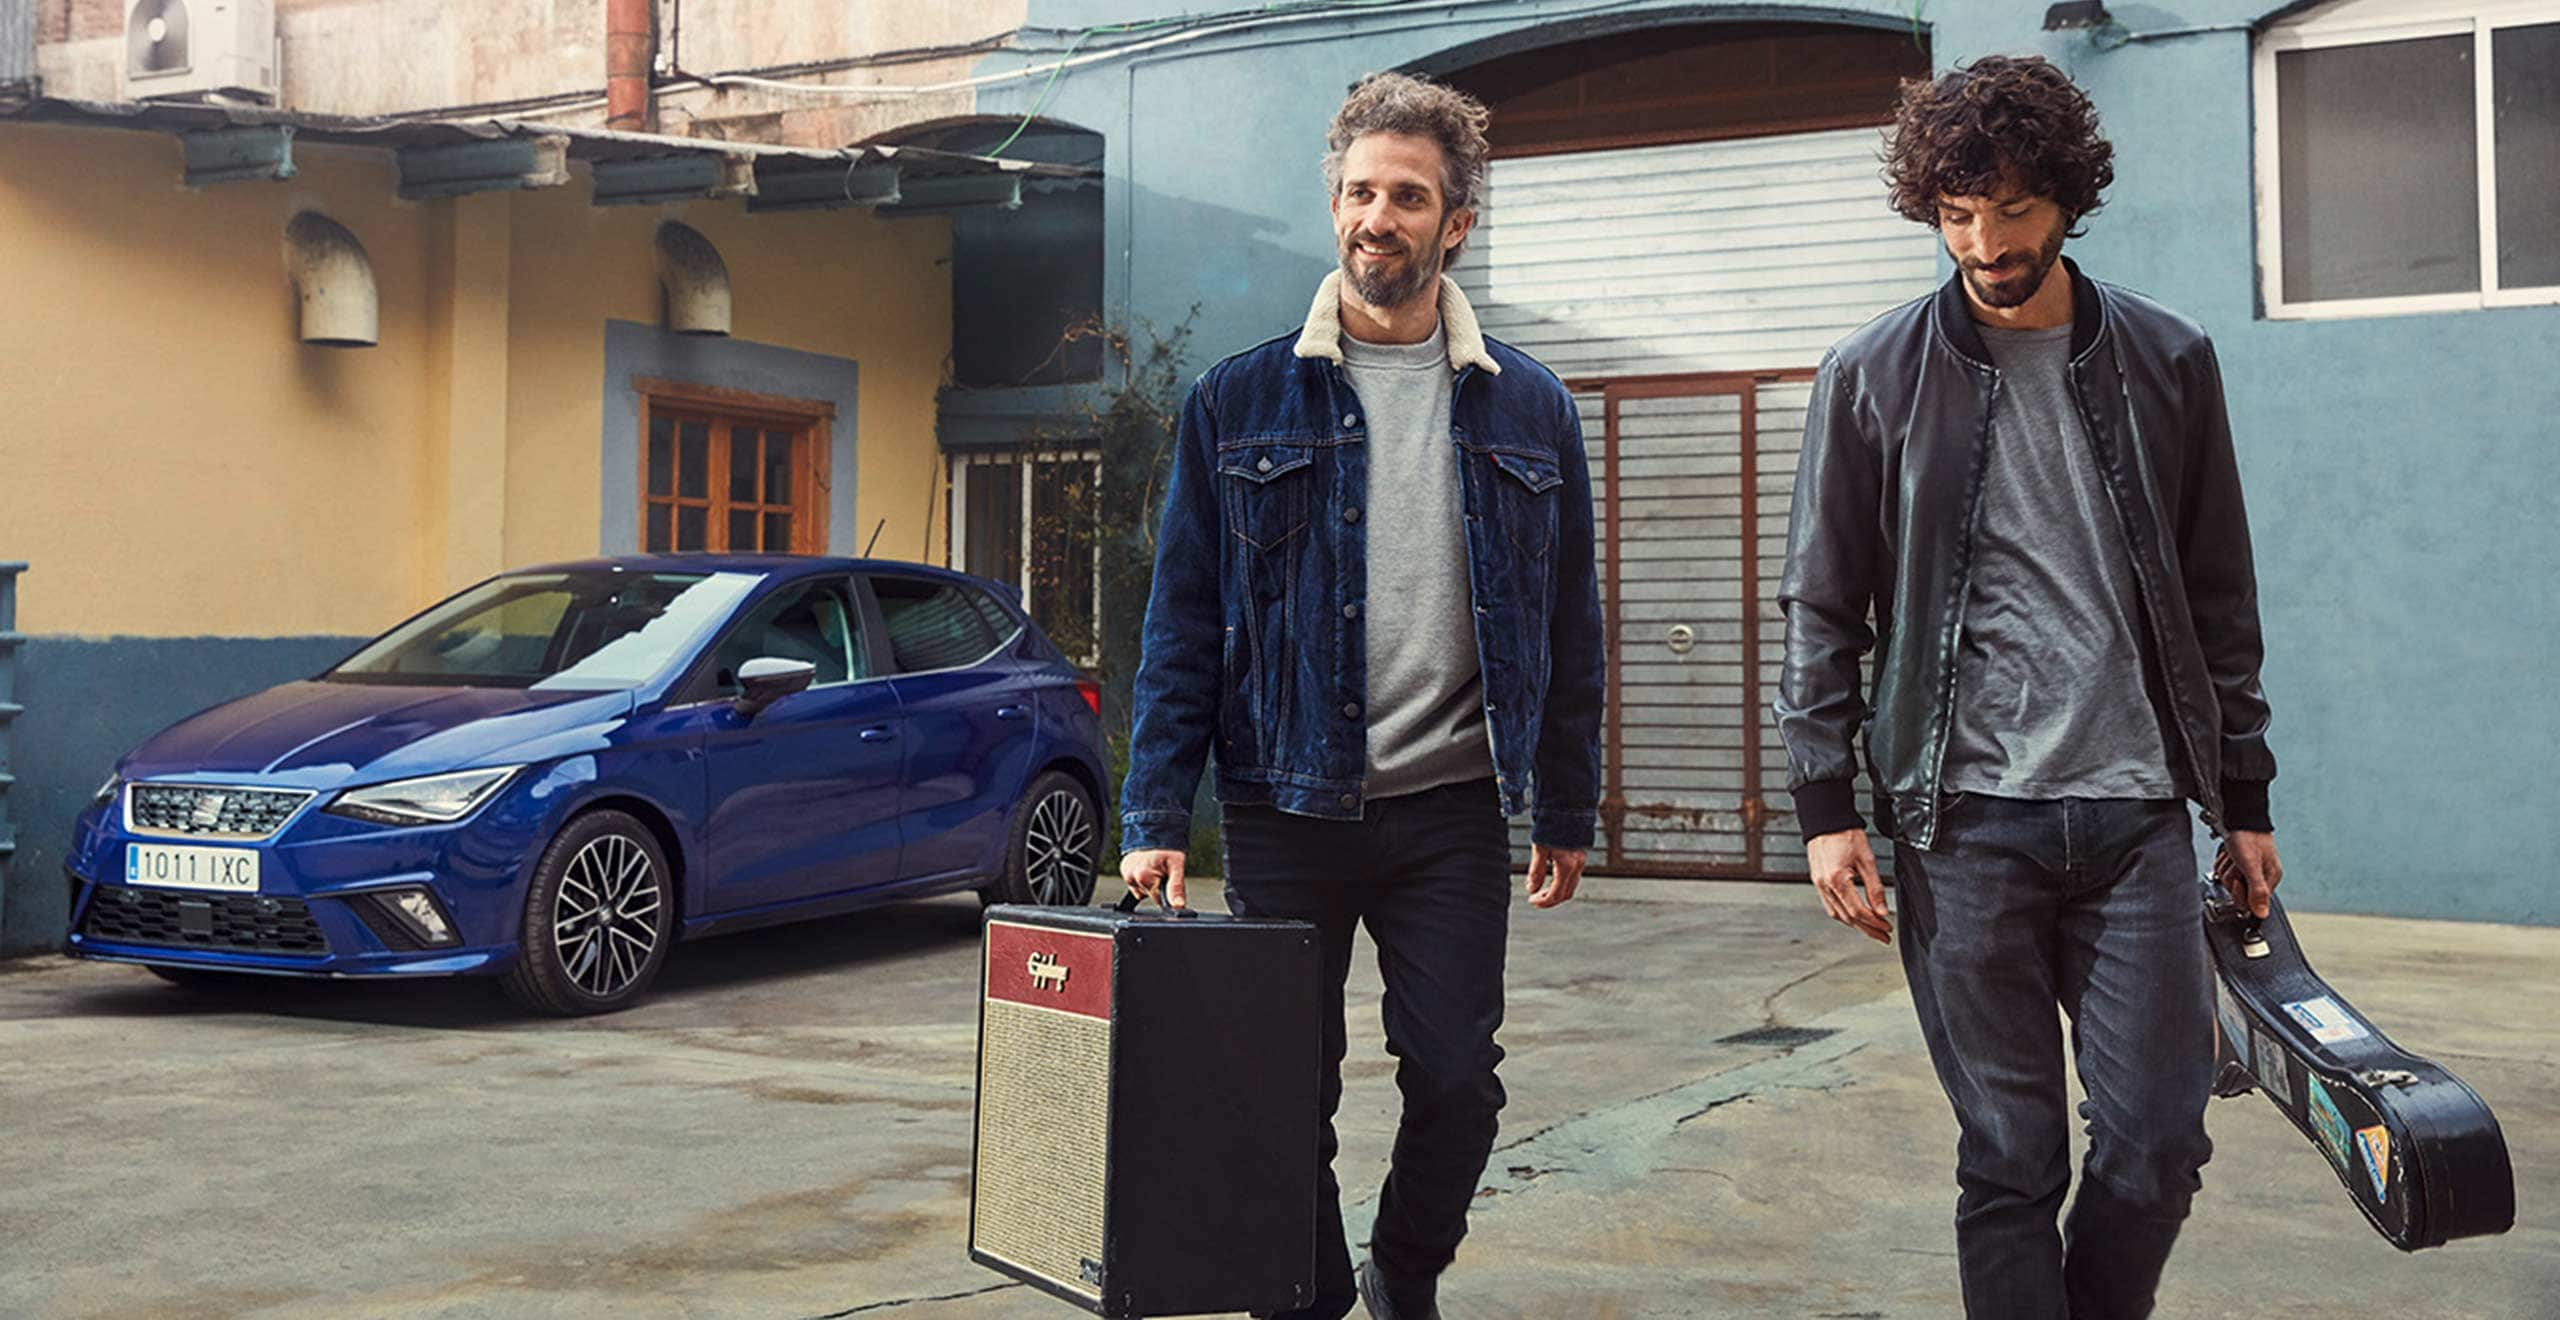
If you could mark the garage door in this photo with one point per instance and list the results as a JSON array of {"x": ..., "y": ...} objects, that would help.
[{"x": 1686, "y": 294}]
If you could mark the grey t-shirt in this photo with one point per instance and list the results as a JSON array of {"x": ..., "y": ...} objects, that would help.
[
  {"x": 2050, "y": 700},
  {"x": 1425, "y": 701}
]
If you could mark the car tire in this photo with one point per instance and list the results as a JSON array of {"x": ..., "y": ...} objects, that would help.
[
  {"x": 1054, "y": 845},
  {"x": 598, "y": 917}
]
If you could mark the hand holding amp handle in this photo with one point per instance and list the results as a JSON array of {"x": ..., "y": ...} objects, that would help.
[{"x": 1149, "y": 869}]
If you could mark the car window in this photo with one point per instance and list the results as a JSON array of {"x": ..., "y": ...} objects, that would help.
[
  {"x": 811, "y": 623},
  {"x": 583, "y": 629},
  {"x": 995, "y": 615},
  {"x": 932, "y": 625}
]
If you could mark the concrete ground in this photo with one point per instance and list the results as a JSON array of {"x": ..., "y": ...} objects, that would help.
[{"x": 784, "y": 1131}]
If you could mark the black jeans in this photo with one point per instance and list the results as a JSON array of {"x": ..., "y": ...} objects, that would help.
[
  {"x": 1430, "y": 874},
  {"x": 2091, "y": 904}
]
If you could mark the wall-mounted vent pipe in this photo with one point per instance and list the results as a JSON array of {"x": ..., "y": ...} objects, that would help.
[
  {"x": 696, "y": 281},
  {"x": 335, "y": 280}
]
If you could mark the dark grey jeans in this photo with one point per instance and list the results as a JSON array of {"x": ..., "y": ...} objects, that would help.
[
  {"x": 1430, "y": 875},
  {"x": 2089, "y": 904}
]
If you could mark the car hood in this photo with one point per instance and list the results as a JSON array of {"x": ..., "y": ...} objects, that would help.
[{"x": 322, "y": 735}]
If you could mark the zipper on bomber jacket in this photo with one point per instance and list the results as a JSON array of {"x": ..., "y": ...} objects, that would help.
[{"x": 2211, "y": 792}]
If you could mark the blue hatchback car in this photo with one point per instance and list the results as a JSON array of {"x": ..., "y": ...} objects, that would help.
[{"x": 555, "y": 775}]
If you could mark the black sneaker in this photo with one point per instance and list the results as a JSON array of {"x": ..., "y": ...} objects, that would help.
[{"x": 1381, "y": 1304}]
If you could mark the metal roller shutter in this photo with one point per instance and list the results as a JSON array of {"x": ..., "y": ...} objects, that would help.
[{"x": 1686, "y": 293}]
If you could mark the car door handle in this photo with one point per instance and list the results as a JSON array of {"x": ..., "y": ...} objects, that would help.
[
  {"x": 883, "y": 734},
  {"x": 1012, "y": 712}
]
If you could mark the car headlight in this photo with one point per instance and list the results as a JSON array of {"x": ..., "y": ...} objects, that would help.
[
  {"x": 432, "y": 800},
  {"x": 107, "y": 791}
]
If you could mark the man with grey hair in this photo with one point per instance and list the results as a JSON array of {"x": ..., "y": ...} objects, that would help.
[{"x": 1375, "y": 601}]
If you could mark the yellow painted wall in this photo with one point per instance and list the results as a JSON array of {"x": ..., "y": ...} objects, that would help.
[
  {"x": 173, "y": 459},
  {"x": 176, "y": 463},
  {"x": 843, "y": 283}
]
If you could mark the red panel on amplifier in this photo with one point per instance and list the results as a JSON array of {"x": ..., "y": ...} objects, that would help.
[{"x": 1047, "y": 968}]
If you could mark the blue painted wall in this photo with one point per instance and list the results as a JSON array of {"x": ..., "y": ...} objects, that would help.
[
  {"x": 88, "y": 702},
  {"x": 2396, "y": 467}
]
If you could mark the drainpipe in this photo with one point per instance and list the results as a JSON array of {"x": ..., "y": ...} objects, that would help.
[{"x": 630, "y": 47}]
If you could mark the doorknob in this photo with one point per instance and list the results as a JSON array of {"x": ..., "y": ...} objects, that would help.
[
  {"x": 1682, "y": 639},
  {"x": 879, "y": 735}
]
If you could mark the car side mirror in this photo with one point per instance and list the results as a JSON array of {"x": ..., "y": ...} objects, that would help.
[{"x": 766, "y": 680}]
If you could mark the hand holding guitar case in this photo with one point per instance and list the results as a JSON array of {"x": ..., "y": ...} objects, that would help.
[{"x": 2418, "y": 1150}]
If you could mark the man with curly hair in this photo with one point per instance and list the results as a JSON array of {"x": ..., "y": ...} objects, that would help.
[
  {"x": 1375, "y": 600},
  {"x": 2026, "y": 482}
]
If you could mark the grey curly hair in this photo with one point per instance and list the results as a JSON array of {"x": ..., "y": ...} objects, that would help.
[{"x": 1416, "y": 107}]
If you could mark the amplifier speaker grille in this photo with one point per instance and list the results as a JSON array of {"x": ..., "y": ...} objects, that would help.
[{"x": 1043, "y": 1100}]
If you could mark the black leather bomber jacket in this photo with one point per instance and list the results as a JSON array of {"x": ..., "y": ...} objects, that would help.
[{"x": 1887, "y": 491}]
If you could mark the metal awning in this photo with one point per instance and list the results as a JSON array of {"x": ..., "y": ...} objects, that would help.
[{"x": 236, "y": 144}]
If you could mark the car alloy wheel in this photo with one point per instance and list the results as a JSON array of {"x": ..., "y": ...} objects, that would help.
[
  {"x": 598, "y": 918},
  {"x": 605, "y": 916},
  {"x": 1059, "y": 849}
]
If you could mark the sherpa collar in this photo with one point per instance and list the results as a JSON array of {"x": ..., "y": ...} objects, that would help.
[{"x": 1323, "y": 336}]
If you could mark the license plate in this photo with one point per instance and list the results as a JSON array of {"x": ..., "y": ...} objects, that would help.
[{"x": 220, "y": 870}]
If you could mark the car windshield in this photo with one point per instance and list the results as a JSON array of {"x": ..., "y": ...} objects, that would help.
[{"x": 587, "y": 630}]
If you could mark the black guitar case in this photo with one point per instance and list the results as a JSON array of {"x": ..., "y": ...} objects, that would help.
[{"x": 2418, "y": 1150}]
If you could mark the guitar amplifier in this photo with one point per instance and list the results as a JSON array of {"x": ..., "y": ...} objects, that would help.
[{"x": 1148, "y": 1109}]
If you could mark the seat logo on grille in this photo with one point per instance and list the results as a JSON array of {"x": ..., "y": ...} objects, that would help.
[
  {"x": 1047, "y": 971},
  {"x": 208, "y": 812}
]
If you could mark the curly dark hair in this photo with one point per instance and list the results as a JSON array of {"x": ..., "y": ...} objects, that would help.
[{"x": 1997, "y": 122}]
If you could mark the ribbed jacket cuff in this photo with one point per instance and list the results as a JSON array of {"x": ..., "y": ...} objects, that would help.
[
  {"x": 1827, "y": 806},
  {"x": 2244, "y": 806},
  {"x": 1569, "y": 828}
]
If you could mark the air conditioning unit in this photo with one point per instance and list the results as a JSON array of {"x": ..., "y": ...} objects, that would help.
[{"x": 189, "y": 49}]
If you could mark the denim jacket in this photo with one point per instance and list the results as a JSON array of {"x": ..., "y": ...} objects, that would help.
[{"x": 1254, "y": 645}]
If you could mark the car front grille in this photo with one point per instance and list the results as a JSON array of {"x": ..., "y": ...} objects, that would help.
[
  {"x": 209, "y": 810},
  {"x": 242, "y": 923}
]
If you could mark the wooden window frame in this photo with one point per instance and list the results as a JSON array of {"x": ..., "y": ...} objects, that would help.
[{"x": 811, "y": 423}]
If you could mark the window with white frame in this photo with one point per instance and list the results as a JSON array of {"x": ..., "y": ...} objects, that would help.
[
  {"x": 2409, "y": 157},
  {"x": 1029, "y": 517}
]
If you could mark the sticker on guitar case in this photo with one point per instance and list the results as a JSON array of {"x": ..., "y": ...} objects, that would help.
[
  {"x": 2326, "y": 1020},
  {"x": 2328, "y": 1122},
  {"x": 2274, "y": 1068},
  {"x": 2374, "y": 1144},
  {"x": 2229, "y": 1012}
]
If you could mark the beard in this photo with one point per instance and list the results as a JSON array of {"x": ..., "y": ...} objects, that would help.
[
  {"x": 1389, "y": 283},
  {"x": 2019, "y": 275}
]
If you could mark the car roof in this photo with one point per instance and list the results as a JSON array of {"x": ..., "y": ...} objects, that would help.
[{"x": 774, "y": 566}]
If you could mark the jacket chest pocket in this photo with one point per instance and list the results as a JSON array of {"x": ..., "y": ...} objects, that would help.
[
  {"x": 1266, "y": 492},
  {"x": 1524, "y": 498}
]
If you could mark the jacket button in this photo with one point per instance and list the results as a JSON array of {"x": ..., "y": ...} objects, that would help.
[
  {"x": 1263, "y": 466},
  {"x": 1349, "y": 800},
  {"x": 1352, "y": 610},
  {"x": 1352, "y": 514},
  {"x": 1350, "y": 419},
  {"x": 1351, "y": 710}
]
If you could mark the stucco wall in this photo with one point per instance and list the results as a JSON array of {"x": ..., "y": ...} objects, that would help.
[{"x": 2396, "y": 467}]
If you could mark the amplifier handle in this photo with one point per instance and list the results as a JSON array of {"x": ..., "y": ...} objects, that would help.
[{"x": 1129, "y": 903}]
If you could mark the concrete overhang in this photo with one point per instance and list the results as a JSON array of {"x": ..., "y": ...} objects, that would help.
[{"x": 235, "y": 144}]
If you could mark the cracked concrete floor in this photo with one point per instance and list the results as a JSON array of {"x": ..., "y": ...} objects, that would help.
[{"x": 784, "y": 1132}]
